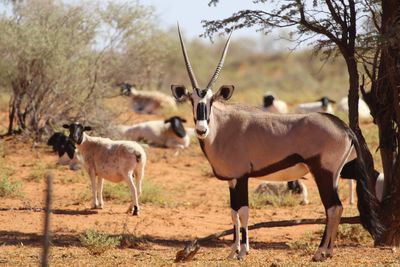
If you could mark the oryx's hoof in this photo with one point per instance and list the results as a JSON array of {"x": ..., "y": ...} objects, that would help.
[
  {"x": 304, "y": 202},
  {"x": 320, "y": 256},
  {"x": 135, "y": 211},
  {"x": 242, "y": 254},
  {"x": 234, "y": 254}
]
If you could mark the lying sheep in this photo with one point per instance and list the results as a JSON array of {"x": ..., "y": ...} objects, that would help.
[
  {"x": 65, "y": 149},
  {"x": 279, "y": 188},
  {"x": 364, "y": 113},
  {"x": 322, "y": 105},
  {"x": 273, "y": 105},
  {"x": 168, "y": 133},
  {"x": 112, "y": 160},
  {"x": 147, "y": 102}
]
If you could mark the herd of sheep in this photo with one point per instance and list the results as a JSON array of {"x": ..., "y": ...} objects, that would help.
[{"x": 125, "y": 159}]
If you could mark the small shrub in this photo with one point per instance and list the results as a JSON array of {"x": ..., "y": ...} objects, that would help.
[
  {"x": 353, "y": 233},
  {"x": 97, "y": 243},
  {"x": 38, "y": 173},
  {"x": 152, "y": 193},
  {"x": 10, "y": 189},
  {"x": 259, "y": 201},
  {"x": 120, "y": 193},
  {"x": 307, "y": 244}
]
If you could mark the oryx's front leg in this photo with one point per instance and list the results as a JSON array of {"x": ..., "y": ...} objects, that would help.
[
  {"x": 236, "y": 224},
  {"x": 239, "y": 198}
]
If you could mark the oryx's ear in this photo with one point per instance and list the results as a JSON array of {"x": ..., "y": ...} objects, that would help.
[
  {"x": 331, "y": 101},
  {"x": 182, "y": 119},
  {"x": 66, "y": 126},
  {"x": 179, "y": 92},
  {"x": 87, "y": 128},
  {"x": 224, "y": 93},
  {"x": 167, "y": 120}
]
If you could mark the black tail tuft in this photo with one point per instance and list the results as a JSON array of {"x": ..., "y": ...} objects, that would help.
[{"x": 367, "y": 202}]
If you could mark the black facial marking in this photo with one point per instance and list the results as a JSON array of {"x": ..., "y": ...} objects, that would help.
[
  {"x": 201, "y": 113},
  {"x": 239, "y": 195},
  {"x": 244, "y": 235},
  {"x": 201, "y": 93}
]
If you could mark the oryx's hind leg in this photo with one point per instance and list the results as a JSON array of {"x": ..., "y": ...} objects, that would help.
[
  {"x": 238, "y": 190},
  {"x": 327, "y": 187}
]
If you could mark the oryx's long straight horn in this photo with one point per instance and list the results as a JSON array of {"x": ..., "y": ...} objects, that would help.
[
  {"x": 220, "y": 64},
  {"x": 187, "y": 62}
]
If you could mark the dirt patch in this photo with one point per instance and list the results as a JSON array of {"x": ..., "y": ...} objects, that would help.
[{"x": 195, "y": 205}]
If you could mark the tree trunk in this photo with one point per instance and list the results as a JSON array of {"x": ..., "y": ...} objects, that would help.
[{"x": 389, "y": 121}]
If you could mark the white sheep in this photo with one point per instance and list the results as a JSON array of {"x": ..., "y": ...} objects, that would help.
[
  {"x": 147, "y": 102},
  {"x": 322, "y": 105},
  {"x": 112, "y": 160},
  {"x": 273, "y": 105},
  {"x": 168, "y": 133},
  {"x": 364, "y": 113}
]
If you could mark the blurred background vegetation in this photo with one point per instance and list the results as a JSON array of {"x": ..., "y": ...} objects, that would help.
[{"x": 59, "y": 62}]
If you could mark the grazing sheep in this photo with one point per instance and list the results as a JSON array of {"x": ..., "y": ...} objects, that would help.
[
  {"x": 364, "y": 113},
  {"x": 168, "y": 133},
  {"x": 273, "y": 105},
  {"x": 147, "y": 102},
  {"x": 278, "y": 188},
  {"x": 112, "y": 160},
  {"x": 322, "y": 105}
]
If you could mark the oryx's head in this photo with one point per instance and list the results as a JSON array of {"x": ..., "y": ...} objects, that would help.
[{"x": 202, "y": 98}]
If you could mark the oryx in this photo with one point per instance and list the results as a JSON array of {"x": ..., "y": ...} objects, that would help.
[{"x": 241, "y": 142}]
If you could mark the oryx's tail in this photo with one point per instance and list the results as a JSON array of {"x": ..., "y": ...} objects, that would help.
[{"x": 367, "y": 203}]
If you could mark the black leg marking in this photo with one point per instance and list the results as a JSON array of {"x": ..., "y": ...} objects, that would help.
[
  {"x": 244, "y": 235},
  {"x": 135, "y": 210},
  {"x": 234, "y": 233},
  {"x": 239, "y": 195}
]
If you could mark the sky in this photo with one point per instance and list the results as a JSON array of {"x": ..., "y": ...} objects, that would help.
[{"x": 190, "y": 13}]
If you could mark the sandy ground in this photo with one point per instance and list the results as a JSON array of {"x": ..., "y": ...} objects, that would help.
[{"x": 195, "y": 205}]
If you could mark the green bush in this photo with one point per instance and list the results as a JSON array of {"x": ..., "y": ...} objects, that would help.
[
  {"x": 9, "y": 188},
  {"x": 285, "y": 199},
  {"x": 97, "y": 243}
]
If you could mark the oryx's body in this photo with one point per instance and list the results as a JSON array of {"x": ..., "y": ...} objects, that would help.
[
  {"x": 242, "y": 142},
  {"x": 245, "y": 141}
]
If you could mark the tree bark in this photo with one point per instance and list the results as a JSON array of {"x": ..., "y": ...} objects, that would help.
[{"x": 389, "y": 121}]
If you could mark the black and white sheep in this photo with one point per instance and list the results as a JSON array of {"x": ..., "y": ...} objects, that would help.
[
  {"x": 274, "y": 105},
  {"x": 322, "y": 105},
  {"x": 164, "y": 133},
  {"x": 114, "y": 161}
]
